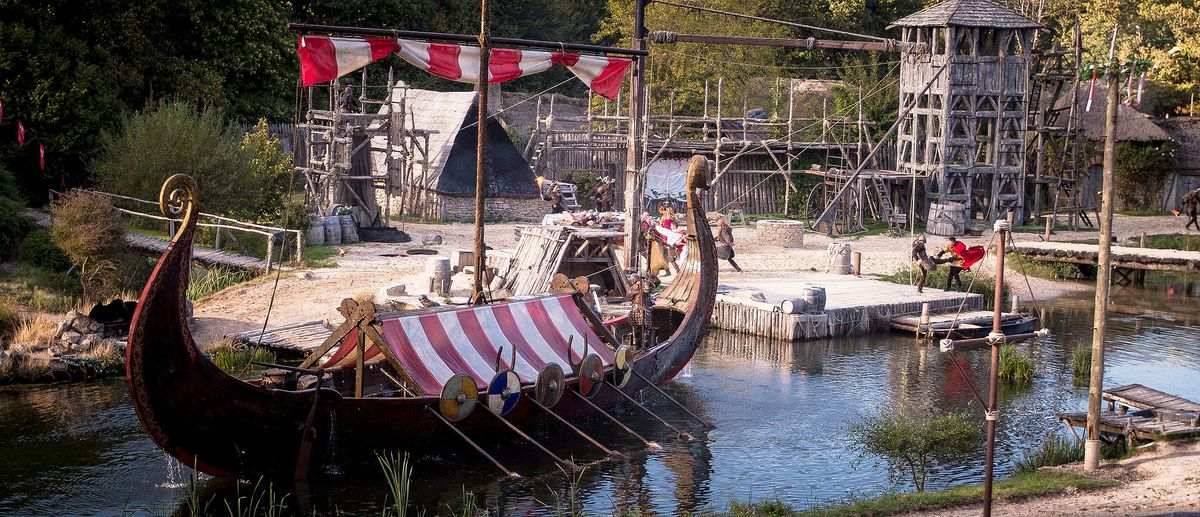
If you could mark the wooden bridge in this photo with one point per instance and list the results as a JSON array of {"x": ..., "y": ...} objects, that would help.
[
  {"x": 1129, "y": 263},
  {"x": 211, "y": 256}
]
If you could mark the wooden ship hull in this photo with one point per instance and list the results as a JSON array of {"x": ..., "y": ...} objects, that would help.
[{"x": 225, "y": 426}]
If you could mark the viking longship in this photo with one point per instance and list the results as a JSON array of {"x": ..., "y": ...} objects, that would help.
[{"x": 408, "y": 380}]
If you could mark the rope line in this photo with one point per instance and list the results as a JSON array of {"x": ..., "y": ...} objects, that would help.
[
  {"x": 770, "y": 20},
  {"x": 777, "y": 67}
]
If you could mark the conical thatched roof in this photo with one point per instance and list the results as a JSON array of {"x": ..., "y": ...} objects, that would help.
[{"x": 969, "y": 13}]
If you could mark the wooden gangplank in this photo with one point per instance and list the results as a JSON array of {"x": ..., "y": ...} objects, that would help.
[
  {"x": 1123, "y": 257},
  {"x": 293, "y": 338},
  {"x": 201, "y": 254},
  {"x": 1138, "y": 412}
]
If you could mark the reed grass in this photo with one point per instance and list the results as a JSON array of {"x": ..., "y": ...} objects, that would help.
[
  {"x": 1016, "y": 368},
  {"x": 33, "y": 333},
  {"x": 210, "y": 280},
  {"x": 1081, "y": 365},
  {"x": 262, "y": 501},
  {"x": 10, "y": 317},
  {"x": 1055, "y": 450},
  {"x": 397, "y": 472},
  {"x": 239, "y": 359}
]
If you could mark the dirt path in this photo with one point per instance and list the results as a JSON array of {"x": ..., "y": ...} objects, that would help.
[
  {"x": 367, "y": 268},
  {"x": 1159, "y": 482}
]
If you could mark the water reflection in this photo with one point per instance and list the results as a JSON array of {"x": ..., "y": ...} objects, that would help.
[{"x": 781, "y": 412}]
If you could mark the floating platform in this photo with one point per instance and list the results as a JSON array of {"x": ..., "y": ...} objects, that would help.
[
  {"x": 854, "y": 305},
  {"x": 1140, "y": 413},
  {"x": 968, "y": 324}
]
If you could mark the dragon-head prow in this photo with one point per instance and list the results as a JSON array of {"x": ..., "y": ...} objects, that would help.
[{"x": 698, "y": 172}]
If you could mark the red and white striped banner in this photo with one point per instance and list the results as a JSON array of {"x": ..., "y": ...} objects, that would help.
[
  {"x": 324, "y": 58},
  {"x": 20, "y": 133},
  {"x": 433, "y": 347}
]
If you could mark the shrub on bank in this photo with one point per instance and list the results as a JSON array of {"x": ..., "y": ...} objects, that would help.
[
  {"x": 913, "y": 444},
  {"x": 1056, "y": 450},
  {"x": 13, "y": 223},
  {"x": 38, "y": 249},
  {"x": 86, "y": 228}
]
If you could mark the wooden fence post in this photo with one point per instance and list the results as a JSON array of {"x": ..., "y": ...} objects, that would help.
[
  {"x": 270, "y": 250},
  {"x": 299, "y": 247}
]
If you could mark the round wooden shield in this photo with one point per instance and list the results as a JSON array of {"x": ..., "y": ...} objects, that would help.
[
  {"x": 504, "y": 392},
  {"x": 459, "y": 396},
  {"x": 550, "y": 383},
  {"x": 591, "y": 375},
  {"x": 624, "y": 365}
]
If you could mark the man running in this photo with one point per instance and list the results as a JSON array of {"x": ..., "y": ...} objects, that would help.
[{"x": 725, "y": 243}]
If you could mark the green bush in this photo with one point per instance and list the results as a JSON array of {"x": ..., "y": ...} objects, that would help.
[
  {"x": 86, "y": 229},
  {"x": 9, "y": 317},
  {"x": 13, "y": 223},
  {"x": 915, "y": 443},
  {"x": 1016, "y": 368},
  {"x": 1056, "y": 450},
  {"x": 38, "y": 249},
  {"x": 239, "y": 176}
]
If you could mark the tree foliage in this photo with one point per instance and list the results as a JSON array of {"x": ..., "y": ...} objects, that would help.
[
  {"x": 916, "y": 443},
  {"x": 13, "y": 223},
  {"x": 1142, "y": 172}
]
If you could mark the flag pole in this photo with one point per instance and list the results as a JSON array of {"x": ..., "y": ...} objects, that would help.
[{"x": 633, "y": 156}]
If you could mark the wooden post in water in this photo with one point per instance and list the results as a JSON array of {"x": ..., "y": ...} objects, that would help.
[
  {"x": 477, "y": 293},
  {"x": 995, "y": 340},
  {"x": 1091, "y": 449},
  {"x": 924, "y": 322}
]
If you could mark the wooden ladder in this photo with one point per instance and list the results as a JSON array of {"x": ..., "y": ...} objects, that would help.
[{"x": 885, "y": 204}]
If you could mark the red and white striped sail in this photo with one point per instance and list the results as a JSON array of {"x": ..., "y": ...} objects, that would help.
[
  {"x": 325, "y": 58},
  {"x": 432, "y": 347}
]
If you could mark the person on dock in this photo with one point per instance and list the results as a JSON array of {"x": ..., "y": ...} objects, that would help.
[
  {"x": 920, "y": 258},
  {"x": 955, "y": 249},
  {"x": 725, "y": 243},
  {"x": 1191, "y": 205},
  {"x": 555, "y": 197},
  {"x": 602, "y": 195}
]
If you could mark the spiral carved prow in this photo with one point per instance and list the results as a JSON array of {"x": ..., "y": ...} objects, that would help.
[{"x": 179, "y": 197}]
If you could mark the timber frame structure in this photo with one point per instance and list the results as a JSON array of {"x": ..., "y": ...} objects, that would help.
[
  {"x": 754, "y": 154},
  {"x": 338, "y": 142}
]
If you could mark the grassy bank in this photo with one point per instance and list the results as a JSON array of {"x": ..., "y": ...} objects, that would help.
[
  {"x": 984, "y": 283},
  {"x": 1020, "y": 486}
]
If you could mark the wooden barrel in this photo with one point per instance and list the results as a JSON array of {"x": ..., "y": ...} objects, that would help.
[
  {"x": 946, "y": 219},
  {"x": 316, "y": 231},
  {"x": 333, "y": 230},
  {"x": 349, "y": 229},
  {"x": 814, "y": 299},
  {"x": 794, "y": 306}
]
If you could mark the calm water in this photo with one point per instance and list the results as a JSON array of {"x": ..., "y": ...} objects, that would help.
[{"x": 780, "y": 411}]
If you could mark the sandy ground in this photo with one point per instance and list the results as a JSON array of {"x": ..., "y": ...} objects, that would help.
[
  {"x": 367, "y": 268},
  {"x": 1163, "y": 481}
]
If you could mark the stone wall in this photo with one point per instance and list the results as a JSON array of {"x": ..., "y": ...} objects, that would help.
[{"x": 462, "y": 209}]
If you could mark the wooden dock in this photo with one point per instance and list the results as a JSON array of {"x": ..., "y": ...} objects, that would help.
[
  {"x": 1140, "y": 413},
  {"x": 854, "y": 305},
  {"x": 1123, "y": 257}
]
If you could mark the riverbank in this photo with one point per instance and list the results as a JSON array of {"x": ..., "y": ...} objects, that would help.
[{"x": 1161, "y": 480}]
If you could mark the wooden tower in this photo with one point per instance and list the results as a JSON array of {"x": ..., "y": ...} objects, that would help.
[{"x": 966, "y": 134}]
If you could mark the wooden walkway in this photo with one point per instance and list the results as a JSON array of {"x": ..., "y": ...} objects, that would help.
[
  {"x": 1123, "y": 257},
  {"x": 201, "y": 254},
  {"x": 853, "y": 305},
  {"x": 296, "y": 338},
  {"x": 1140, "y": 413}
]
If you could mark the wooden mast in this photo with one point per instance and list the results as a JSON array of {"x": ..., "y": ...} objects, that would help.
[
  {"x": 481, "y": 99},
  {"x": 633, "y": 157}
]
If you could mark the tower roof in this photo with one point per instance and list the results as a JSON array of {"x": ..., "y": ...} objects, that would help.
[{"x": 970, "y": 13}]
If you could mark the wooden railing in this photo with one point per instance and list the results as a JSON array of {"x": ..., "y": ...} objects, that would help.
[{"x": 220, "y": 223}]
